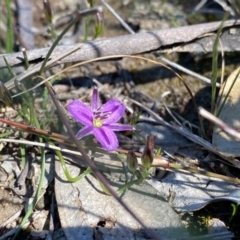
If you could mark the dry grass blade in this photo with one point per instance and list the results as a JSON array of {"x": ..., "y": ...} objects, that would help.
[
  {"x": 228, "y": 129},
  {"x": 90, "y": 61}
]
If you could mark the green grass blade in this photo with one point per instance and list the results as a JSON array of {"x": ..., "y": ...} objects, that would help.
[
  {"x": 10, "y": 34},
  {"x": 8, "y": 67},
  {"x": 215, "y": 65}
]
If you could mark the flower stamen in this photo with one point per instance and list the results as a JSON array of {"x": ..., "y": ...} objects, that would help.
[
  {"x": 97, "y": 122},
  {"x": 102, "y": 115}
]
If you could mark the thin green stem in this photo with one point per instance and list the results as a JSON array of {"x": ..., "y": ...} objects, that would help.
[
  {"x": 22, "y": 152},
  {"x": 215, "y": 66},
  {"x": 70, "y": 24},
  {"x": 39, "y": 188},
  {"x": 10, "y": 34},
  {"x": 25, "y": 58},
  {"x": 65, "y": 170},
  {"x": 78, "y": 17},
  {"x": 6, "y": 134},
  {"x": 8, "y": 67}
]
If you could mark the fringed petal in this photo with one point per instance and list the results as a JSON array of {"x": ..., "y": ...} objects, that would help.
[
  {"x": 107, "y": 138},
  {"x": 120, "y": 127},
  {"x": 84, "y": 132},
  {"x": 113, "y": 109},
  {"x": 95, "y": 104},
  {"x": 81, "y": 112}
]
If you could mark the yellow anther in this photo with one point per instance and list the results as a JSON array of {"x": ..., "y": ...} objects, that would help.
[{"x": 97, "y": 123}]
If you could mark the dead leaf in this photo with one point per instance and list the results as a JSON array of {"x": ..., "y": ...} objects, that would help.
[
  {"x": 193, "y": 192},
  {"x": 230, "y": 114}
]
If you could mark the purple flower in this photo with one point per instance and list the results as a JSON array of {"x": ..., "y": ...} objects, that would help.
[{"x": 100, "y": 120}]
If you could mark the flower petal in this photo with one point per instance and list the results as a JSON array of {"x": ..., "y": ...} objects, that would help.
[
  {"x": 81, "y": 112},
  {"x": 115, "y": 108},
  {"x": 120, "y": 127},
  {"x": 95, "y": 104},
  {"x": 84, "y": 132},
  {"x": 107, "y": 138}
]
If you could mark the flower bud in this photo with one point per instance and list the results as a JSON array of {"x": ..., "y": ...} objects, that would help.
[
  {"x": 132, "y": 162},
  {"x": 99, "y": 24},
  {"x": 147, "y": 156},
  {"x": 99, "y": 15},
  {"x": 48, "y": 10}
]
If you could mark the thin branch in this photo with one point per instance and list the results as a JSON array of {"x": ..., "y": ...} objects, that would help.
[
  {"x": 127, "y": 44},
  {"x": 91, "y": 164}
]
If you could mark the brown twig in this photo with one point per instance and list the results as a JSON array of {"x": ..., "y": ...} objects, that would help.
[{"x": 91, "y": 164}]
